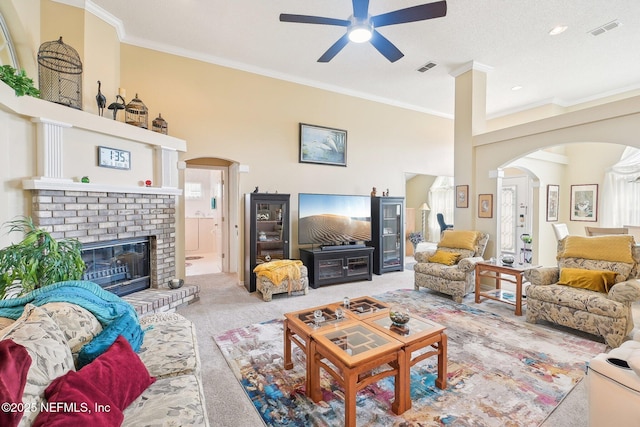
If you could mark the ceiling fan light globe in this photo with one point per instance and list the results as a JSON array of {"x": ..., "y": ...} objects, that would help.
[{"x": 360, "y": 34}]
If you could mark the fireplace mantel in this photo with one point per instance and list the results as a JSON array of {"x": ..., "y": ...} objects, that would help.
[
  {"x": 68, "y": 185},
  {"x": 52, "y": 139},
  {"x": 35, "y": 108}
]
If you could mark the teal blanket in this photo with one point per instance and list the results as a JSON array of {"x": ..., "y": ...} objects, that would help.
[{"x": 116, "y": 316}]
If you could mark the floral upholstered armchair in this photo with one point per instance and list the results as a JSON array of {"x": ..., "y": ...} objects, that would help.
[
  {"x": 450, "y": 267},
  {"x": 591, "y": 289}
]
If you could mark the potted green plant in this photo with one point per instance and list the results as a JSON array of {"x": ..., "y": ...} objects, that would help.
[
  {"x": 18, "y": 81},
  {"x": 38, "y": 260}
]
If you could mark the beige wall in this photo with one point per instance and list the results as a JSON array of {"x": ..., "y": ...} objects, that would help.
[
  {"x": 253, "y": 120},
  {"x": 96, "y": 43},
  {"x": 16, "y": 162}
]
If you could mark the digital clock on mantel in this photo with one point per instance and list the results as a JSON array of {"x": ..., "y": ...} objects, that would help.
[{"x": 114, "y": 158}]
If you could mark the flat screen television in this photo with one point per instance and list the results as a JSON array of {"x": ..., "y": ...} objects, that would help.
[{"x": 333, "y": 219}]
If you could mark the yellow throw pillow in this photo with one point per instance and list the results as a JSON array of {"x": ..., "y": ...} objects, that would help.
[
  {"x": 616, "y": 248},
  {"x": 444, "y": 257},
  {"x": 459, "y": 239},
  {"x": 595, "y": 280}
]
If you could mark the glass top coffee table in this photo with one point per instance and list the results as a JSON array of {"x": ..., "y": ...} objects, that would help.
[
  {"x": 356, "y": 355},
  {"x": 357, "y": 339},
  {"x": 416, "y": 335},
  {"x": 299, "y": 325}
]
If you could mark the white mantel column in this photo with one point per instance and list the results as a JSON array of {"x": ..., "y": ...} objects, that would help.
[
  {"x": 166, "y": 168},
  {"x": 50, "y": 144}
]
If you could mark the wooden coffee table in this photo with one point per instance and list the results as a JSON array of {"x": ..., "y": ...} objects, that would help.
[
  {"x": 355, "y": 349},
  {"x": 417, "y": 334},
  {"x": 298, "y": 327},
  {"x": 497, "y": 272},
  {"x": 365, "y": 339}
]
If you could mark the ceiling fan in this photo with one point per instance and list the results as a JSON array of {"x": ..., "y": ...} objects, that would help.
[{"x": 361, "y": 27}]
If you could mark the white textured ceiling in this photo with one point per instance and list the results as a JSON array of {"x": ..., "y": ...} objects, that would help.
[{"x": 510, "y": 36}]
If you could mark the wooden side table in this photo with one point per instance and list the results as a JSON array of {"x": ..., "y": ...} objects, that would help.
[
  {"x": 298, "y": 327},
  {"x": 416, "y": 335},
  {"x": 496, "y": 272},
  {"x": 355, "y": 350}
]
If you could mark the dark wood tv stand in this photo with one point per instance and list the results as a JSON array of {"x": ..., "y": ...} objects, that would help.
[{"x": 331, "y": 266}]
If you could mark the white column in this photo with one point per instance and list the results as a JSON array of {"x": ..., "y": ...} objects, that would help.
[
  {"x": 166, "y": 168},
  {"x": 49, "y": 147}
]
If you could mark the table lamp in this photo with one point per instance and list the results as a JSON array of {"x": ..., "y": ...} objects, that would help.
[{"x": 424, "y": 208}]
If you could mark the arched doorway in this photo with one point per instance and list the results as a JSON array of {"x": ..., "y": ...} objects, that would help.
[{"x": 210, "y": 216}]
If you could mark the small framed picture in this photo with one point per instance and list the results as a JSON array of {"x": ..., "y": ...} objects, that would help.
[
  {"x": 485, "y": 206},
  {"x": 584, "y": 202},
  {"x": 462, "y": 196},
  {"x": 553, "y": 202},
  {"x": 323, "y": 145}
]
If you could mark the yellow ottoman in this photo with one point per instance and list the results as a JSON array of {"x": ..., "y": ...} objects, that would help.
[{"x": 272, "y": 279}]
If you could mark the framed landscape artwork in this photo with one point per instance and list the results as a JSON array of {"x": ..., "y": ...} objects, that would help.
[
  {"x": 462, "y": 196},
  {"x": 485, "y": 206},
  {"x": 584, "y": 202},
  {"x": 323, "y": 145},
  {"x": 553, "y": 202}
]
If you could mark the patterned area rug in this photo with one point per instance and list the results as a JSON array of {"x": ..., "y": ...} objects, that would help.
[{"x": 500, "y": 372}]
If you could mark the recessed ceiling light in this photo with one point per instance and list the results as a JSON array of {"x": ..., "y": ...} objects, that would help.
[
  {"x": 518, "y": 87},
  {"x": 558, "y": 29}
]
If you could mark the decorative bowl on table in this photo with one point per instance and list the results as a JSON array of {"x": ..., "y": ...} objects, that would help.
[
  {"x": 507, "y": 259},
  {"x": 399, "y": 316}
]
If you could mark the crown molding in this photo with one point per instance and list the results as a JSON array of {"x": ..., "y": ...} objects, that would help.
[{"x": 471, "y": 65}]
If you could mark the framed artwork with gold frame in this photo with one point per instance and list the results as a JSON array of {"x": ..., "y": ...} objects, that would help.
[
  {"x": 462, "y": 196},
  {"x": 485, "y": 206}
]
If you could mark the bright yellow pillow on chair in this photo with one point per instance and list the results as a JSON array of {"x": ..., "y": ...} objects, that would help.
[
  {"x": 444, "y": 257},
  {"x": 615, "y": 248},
  {"x": 459, "y": 239},
  {"x": 595, "y": 280}
]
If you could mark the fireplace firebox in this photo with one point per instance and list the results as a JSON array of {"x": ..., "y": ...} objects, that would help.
[{"x": 119, "y": 266}]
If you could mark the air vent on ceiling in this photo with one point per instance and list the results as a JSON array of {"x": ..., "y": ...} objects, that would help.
[
  {"x": 606, "y": 27},
  {"x": 429, "y": 65}
]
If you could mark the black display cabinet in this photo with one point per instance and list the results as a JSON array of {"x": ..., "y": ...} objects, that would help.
[
  {"x": 267, "y": 230},
  {"x": 387, "y": 234}
]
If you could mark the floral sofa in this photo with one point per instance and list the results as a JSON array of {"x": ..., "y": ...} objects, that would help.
[
  {"x": 42, "y": 382},
  {"x": 591, "y": 289},
  {"x": 455, "y": 278}
]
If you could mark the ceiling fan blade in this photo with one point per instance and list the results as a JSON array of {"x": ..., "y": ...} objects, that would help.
[
  {"x": 411, "y": 14},
  {"x": 385, "y": 47},
  {"x": 361, "y": 9},
  {"x": 333, "y": 50},
  {"x": 305, "y": 19}
]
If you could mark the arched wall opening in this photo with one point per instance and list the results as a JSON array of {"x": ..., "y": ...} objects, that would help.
[
  {"x": 216, "y": 216},
  {"x": 606, "y": 128}
]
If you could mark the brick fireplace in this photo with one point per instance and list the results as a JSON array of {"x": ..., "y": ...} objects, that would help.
[{"x": 103, "y": 216}]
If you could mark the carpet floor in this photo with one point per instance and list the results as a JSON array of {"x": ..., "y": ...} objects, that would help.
[
  {"x": 225, "y": 304},
  {"x": 501, "y": 373}
]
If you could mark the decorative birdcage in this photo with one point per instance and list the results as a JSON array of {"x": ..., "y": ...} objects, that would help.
[
  {"x": 136, "y": 113},
  {"x": 160, "y": 125},
  {"x": 60, "y": 74}
]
